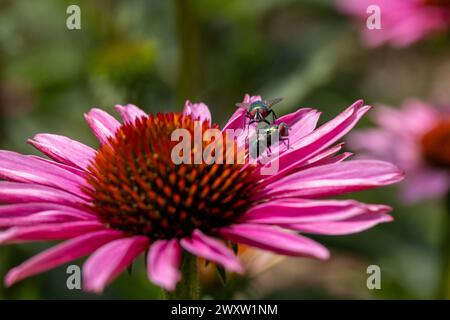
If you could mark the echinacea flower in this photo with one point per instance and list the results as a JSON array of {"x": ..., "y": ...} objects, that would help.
[
  {"x": 403, "y": 22},
  {"x": 128, "y": 197},
  {"x": 415, "y": 137}
]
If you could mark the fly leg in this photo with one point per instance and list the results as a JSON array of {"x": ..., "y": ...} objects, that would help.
[
  {"x": 274, "y": 116},
  {"x": 286, "y": 142}
]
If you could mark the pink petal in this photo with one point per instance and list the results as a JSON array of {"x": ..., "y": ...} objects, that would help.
[
  {"x": 56, "y": 231},
  {"x": 335, "y": 179},
  {"x": 130, "y": 113},
  {"x": 163, "y": 263},
  {"x": 336, "y": 128},
  {"x": 102, "y": 124},
  {"x": 302, "y": 122},
  {"x": 324, "y": 157},
  {"x": 425, "y": 183},
  {"x": 330, "y": 160},
  {"x": 275, "y": 239},
  {"x": 377, "y": 144},
  {"x": 320, "y": 138},
  {"x": 19, "y": 168},
  {"x": 410, "y": 120},
  {"x": 292, "y": 211},
  {"x": 25, "y": 209},
  {"x": 75, "y": 170},
  {"x": 109, "y": 261},
  {"x": 414, "y": 118},
  {"x": 198, "y": 111},
  {"x": 236, "y": 121},
  {"x": 12, "y": 192},
  {"x": 342, "y": 227},
  {"x": 64, "y": 150},
  {"x": 60, "y": 254},
  {"x": 51, "y": 216},
  {"x": 203, "y": 246},
  {"x": 420, "y": 116},
  {"x": 250, "y": 99}
]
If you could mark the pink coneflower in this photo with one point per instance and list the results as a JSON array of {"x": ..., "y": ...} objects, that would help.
[
  {"x": 128, "y": 197},
  {"x": 403, "y": 22},
  {"x": 417, "y": 139}
]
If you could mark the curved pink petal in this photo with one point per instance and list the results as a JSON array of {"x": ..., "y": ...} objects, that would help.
[
  {"x": 377, "y": 143},
  {"x": 13, "y": 192},
  {"x": 105, "y": 264},
  {"x": 274, "y": 239},
  {"x": 51, "y": 216},
  {"x": 292, "y": 211},
  {"x": 64, "y": 150},
  {"x": 377, "y": 140},
  {"x": 342, "y": 227},
  {"x": 414, "y": 118},
  {"x": 336, "y": 128},
  {"x": 60, "y": 254},
  {"x": 410, "y": 120},
  {"x": 199, "y": 111},
  {"x": 130, "y": 113},
  {"x": 103, "y": 125},
  {"x": 291, "y": 118},
  {"x": 19, "y": 168},
  {"x": 25, "y": 209},
  {"x": 320, "y": 138},
  {"x": 420, "y": 116},
  {"x": 203, "y": 246},
  {"x": 330, "y": 160},
  {"x": 302, "y": 122},
  {"x": 236, "y": 121},
  {"x": 250, "y": 99},
  {"x": 424, "y": 183},
  {"x": 335, "y": 179},
  {"x": 49, "y": 231},
  {"x": 322, "y": 158},
  {"x": 163, "y": 263},
  {"x": 75, "y": 170}
]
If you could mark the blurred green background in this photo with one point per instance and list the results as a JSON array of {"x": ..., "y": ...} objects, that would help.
[{"x": 157, "y": 54}]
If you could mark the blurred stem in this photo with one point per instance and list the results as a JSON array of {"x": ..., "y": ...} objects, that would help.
[
  {"x": 189, "y": 69},
  {"x": 189, "y": 287},
  {"x": 188, "y": 83},
  {"x": 444, "y": 292}
]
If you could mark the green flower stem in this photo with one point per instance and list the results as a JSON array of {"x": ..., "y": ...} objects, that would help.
[
  {"x": 444, "y": 292},
  {"x": 190, "y": 59},
  {"x": 189, "y": 287},
  {"x": 189, "y": 71}
]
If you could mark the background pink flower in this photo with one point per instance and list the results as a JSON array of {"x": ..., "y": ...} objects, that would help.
[
  {"x": 128, "y": 197},
  {"x": 416, "y": 137},
  {"x": 403, "y": 21}
]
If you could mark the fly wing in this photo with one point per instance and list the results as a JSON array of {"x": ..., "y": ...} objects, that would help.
[{"x": 272, "y": 102}]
